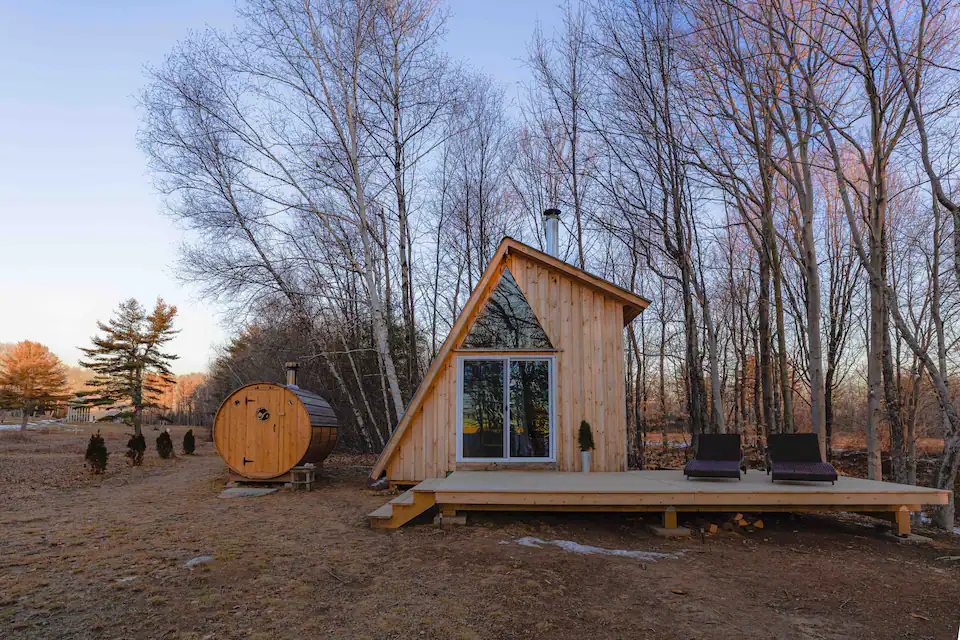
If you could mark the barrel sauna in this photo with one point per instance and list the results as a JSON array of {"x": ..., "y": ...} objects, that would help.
[{"x": 263, "y": 430}]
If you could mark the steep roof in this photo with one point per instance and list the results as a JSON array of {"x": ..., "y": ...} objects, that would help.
[{"x": 633, "y": 306}]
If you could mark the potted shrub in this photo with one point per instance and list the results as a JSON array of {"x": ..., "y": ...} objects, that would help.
[{"x": 586, "y": 445}]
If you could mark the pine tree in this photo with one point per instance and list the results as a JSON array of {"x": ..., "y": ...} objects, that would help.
[
  {"x": 128, "y": 359},
  {"x": 31, "y": 378},
  {"x": 189, "y": 442},
  {"x": 164, "y": 445},
  {"x": 96, "y": 456},
  {"x": 136, "y": 447}
]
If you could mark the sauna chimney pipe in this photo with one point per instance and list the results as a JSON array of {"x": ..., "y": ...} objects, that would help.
[
  {"x": 292, "y": 373},
  {"x": 551, "y": 224}
]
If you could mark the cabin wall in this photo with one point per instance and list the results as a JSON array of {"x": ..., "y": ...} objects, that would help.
[
  {"x": 586, "y": 327},
  {"x": 428, "y": 448}
]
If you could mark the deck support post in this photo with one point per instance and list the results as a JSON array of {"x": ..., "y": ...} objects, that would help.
[
  {"x": 670, "y": 518},
  {"x": 448, "y": 517},
  {"x": 670, "y": 528},
  {"x": 901, "y": 519}
]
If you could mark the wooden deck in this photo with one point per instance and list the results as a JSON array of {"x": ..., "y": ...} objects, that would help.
[{"x": 670, "y": 492}]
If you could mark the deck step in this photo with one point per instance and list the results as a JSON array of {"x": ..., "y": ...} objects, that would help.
[
  {"x": 382, "y": 512},
  {"x": 405, "y": 507},
  {"x": 404, "y": 498}
]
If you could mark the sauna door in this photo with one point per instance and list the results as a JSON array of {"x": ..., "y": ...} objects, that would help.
[{"x": 262, "y": 438}]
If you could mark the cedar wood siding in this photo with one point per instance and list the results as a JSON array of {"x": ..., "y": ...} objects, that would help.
[{"x": 586, "y": 325}]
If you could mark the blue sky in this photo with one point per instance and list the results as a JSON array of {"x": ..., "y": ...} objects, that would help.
[{"x": 81, "y": 226}]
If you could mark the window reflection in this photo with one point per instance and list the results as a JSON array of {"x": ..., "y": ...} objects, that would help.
[
  {"x": 529, "y": 409},
  {"x": 507, "y": 321},
  {"x": 483, "y": 382}
]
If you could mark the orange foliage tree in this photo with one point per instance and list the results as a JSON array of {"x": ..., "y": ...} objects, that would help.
[{"x": 31, "y": 377}]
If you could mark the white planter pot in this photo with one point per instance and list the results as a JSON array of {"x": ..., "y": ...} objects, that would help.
[{"x": 585, "y": 461}]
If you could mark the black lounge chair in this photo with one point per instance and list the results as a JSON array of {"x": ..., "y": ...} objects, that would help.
[
  {"x": 718, "y": 456},
  {"x": 796, "y": 456}
]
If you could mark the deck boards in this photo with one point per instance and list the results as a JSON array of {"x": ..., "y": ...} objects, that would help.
[
  {"x": 670, "y": 488},
  {"x": 663, "y": 491}
]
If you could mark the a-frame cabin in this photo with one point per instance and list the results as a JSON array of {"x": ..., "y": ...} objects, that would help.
[{"x": 537, "y": 349}]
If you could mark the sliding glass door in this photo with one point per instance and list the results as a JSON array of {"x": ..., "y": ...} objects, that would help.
[{"x": 505, "y": 407}]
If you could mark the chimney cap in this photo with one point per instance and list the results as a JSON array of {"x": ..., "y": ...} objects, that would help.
[
  {"x": 292, "y": 373},
  {"x": 551, "y": 213}
]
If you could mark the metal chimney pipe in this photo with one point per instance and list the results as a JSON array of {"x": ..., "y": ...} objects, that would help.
[
  {"x": 292, "y": 373},
  {"x": 551, "y": 224}
]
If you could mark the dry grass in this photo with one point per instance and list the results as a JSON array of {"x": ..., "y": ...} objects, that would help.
[{"x": 102, "y": 557}]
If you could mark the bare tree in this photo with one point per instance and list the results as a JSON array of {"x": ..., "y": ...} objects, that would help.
[
  {"x": 407, "y": 81},
  {"x": 562, "y": 84},
  {"x": 639, "y": 122}
]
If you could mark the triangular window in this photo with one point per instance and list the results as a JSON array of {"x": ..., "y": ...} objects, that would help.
[{"x": 507, "y": 321}]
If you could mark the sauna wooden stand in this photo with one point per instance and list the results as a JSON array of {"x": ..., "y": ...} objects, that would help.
[
  {"x": 666, "y": 492},
  {"x": 307, "y": 476},
  {"x": 236, "y": 478},
  {"x": 302, "y": 478}
]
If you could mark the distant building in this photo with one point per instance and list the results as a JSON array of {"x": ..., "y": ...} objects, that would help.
[{"x": 84, "y": 413}]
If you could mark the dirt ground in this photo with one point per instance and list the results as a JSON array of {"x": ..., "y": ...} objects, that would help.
[{"x": 103, "y": 557}]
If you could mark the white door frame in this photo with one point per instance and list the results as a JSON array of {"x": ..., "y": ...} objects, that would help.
[{"x": 552, "y": 410}]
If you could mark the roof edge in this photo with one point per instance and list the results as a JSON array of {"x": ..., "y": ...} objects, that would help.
[{"x": 628, "y": 297}]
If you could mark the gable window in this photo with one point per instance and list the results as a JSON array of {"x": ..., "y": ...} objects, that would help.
[
  {"x": 505, "y": 408},
  {"x": 507, "y": 321}
]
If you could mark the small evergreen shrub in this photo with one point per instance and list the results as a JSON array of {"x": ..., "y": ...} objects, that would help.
[
  {"x": 136, "y": 447},
  {"x": 189, "y": 444},
  {"x": 164, "y": 445},
  {"x": 97, "y": 453},
  {"x": 586, "y": 436}
]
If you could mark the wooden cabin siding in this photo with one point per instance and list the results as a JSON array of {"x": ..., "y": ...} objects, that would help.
[
  {"x": 585, "y": 327},
  {"x": 428, "y": 446}
]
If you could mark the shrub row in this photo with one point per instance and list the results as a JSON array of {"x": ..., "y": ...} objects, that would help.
[{"x": 97, "y": 454}]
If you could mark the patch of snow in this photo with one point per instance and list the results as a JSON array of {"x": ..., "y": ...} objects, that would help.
[
  {"x": 32, "y": 425},
  {"x": 575, "y": 547},
  {"x": 194, "y": 562},
  {"x": 956, "y": 531}
]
